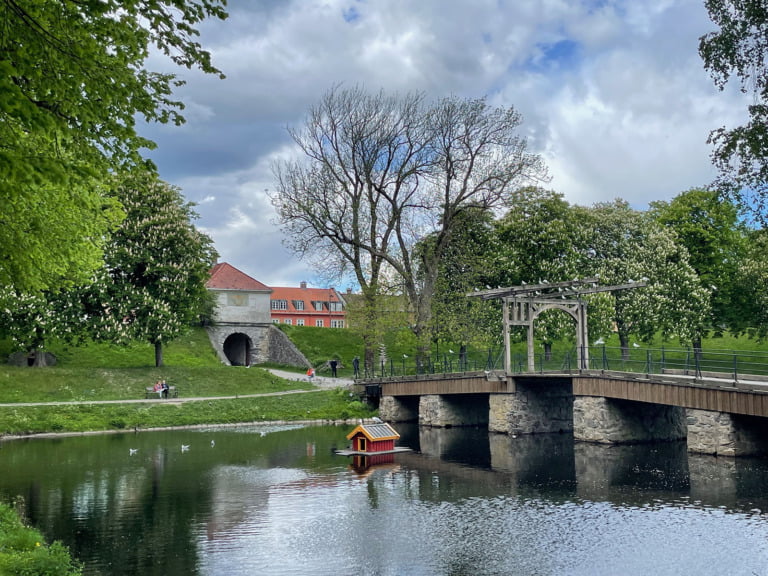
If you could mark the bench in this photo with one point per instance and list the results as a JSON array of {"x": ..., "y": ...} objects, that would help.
[{"x": 149, "y": 392}]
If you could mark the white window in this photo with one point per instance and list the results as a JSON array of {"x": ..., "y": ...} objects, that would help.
[
  {"x": 300, "y": 322},
  {"x": 287, "y": 321},
  {"x": 319, "y": 323},
  {"x": 279, "y": 304},
  {"x": 298, "y": 304},
  {"x": 318, "y": 306},
  {"x": 275, "y": 321},
  {"x": 337, "y": 323},
  {"x": 335, "y": 306}
]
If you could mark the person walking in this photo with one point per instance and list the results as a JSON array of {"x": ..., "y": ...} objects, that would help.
[
  {"x": 356, "y": 366},
  {"x": 334, "y": 364}
]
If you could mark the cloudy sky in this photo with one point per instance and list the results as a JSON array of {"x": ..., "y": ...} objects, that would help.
[{"x": 613, "y": 94}]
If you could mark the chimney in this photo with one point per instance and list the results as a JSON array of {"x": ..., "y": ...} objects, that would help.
[{"x": 303, "y": 285}]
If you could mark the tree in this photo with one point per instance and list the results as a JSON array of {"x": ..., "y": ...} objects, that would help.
[
  {"x": 382, "y": 172},
  {"x": 157, "y": 264},
  {"x": 627, "y": 245},
  {"x": 542, "y": 238},
  {"x": 72, "y": 83},
  {"x": 465, "y": 268},
  {"x": 709, "y": 228},
  {"x": 33, "y": 320},
  {"x": 752, "y": 279},
  {"x": 740, "y": 48}
]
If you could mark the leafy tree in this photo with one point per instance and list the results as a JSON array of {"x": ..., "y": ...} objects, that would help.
[
  {"x": 32, "y": 320},
  {"x": 740, "y": 48},
  {"x": 465, "y": 268},
  {"x": 381, "y": 173},
  {"x": 627, "y": 245},
  {"x": 752, "y": 278},
  {"x": 157, "y": 264},
  {"x": 709, "y": 228},
  {"x": 72, "y": 83}
]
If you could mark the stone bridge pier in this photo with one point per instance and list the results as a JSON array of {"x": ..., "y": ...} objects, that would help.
[
  {"x": 611, "y": 421},
  {"x": 539, "y": 408}
]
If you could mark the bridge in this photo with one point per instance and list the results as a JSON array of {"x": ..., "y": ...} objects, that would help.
[{"x": 716, "y": 400}]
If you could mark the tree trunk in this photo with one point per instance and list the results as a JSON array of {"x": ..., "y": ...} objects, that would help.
[
  {"x": 624, "y": 343},
  {"x": 39, "y": 361},
  {"x": 547, "y": 351},
  {"x": 158, "y": 354}
]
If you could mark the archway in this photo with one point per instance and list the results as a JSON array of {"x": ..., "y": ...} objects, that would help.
[{"x": 237, "y": 349}]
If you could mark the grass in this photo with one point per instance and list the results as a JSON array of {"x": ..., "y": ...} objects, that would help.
[
  {"x": 97, "y": 372},
  {"x": 320, "y": 405},
  {"x": 23, "y": 550}
]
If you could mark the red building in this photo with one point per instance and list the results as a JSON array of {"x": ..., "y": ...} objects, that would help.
[
  {"x": 372, "y": 438},
  {"x": 302, "y": 306}
]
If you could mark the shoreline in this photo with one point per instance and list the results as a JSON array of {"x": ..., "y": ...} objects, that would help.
[{"x": 42, "y": 435}]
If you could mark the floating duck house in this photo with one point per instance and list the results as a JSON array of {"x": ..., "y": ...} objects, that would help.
[{"x": 373, "y": 439}]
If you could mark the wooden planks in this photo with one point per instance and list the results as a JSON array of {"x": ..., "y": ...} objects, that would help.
[{"x": 730, "y": 399}]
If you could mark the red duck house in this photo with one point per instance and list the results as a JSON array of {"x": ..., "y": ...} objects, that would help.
[{"x": 373, "y": 438}]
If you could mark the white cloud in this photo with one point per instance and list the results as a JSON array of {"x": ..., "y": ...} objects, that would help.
[{"x": 614, "y": 95}]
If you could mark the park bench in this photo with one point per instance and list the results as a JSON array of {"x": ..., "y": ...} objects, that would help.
[{"x": 150, "y": 392}]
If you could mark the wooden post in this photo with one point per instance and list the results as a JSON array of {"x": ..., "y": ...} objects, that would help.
[{"x": 507, "y": 351}]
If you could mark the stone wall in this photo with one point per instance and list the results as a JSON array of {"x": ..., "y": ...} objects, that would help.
[
  {"x": 724, "y": 434},
  {"x": 532, "y": 409},
  {"x": 607, "y": 421},
  {"x": 444, "y": 411},
  {"x": 280, "y": 349},
  {"x": 392, "y": 409},
  {"x": 267, "y": 344},
  {"x": 242, "y": 306}
]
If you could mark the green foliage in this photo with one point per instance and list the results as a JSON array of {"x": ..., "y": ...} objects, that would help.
[
  {"x": 628, "y": 245},
  {"x": 752, "y": 279},
  {"x": 72, "y": 83},
  {"x": 157, "y": 264},
  {"x": 709, "y": 228},
  {"x": 23, "y": 551},
  {"x": 739, "y": 48},
  {"x": 464, "y": 269}
]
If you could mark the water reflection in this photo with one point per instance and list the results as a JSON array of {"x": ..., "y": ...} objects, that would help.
[{"x": 280, "y": 501}]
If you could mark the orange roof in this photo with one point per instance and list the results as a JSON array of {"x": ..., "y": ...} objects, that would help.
[
  {"x": 374, "y": 432},
  {"x": 227, "y": 277},
  {"x": 304, "y": 294}
]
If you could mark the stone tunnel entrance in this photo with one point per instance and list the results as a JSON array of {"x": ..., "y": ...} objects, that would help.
[{"x": 237, "y": 349}]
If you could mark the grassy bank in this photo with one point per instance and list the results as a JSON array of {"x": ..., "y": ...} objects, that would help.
[
  {"x": 98, "y": 372},
  {"x": 23, "y": 550}
]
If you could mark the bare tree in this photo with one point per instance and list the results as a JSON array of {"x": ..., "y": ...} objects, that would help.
[{"x": 381, "y": 173}]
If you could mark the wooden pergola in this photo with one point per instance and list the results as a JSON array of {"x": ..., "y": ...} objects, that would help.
[{"x": 523, "y": 304}]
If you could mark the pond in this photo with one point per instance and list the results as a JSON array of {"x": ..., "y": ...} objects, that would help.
[{"x": 274, "y": 500}]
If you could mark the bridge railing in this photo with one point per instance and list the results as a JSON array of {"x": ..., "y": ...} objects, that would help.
[
  {"x": 699, "y": 363},
  {"x": 732, "y": 364}
]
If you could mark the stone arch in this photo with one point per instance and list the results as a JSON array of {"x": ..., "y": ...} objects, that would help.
[
  {"x": 237, "y": 348},
  {"x": 245, "y": 345}
]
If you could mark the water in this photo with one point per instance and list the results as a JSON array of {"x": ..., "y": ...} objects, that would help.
[{"x": 278, "y": 501}]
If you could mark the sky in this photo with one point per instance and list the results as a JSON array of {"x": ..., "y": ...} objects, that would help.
[{"x": 613, "y": 94}]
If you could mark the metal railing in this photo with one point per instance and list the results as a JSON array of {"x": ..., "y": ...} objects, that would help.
[{"x": 732, "y": 364}]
